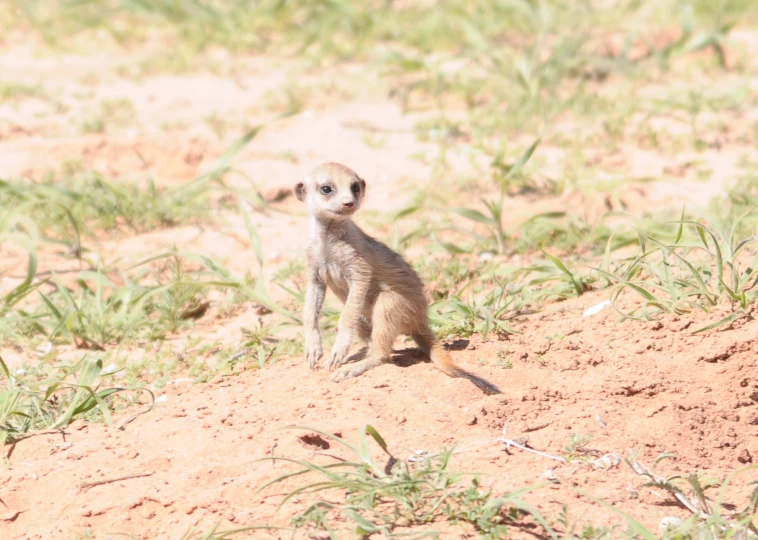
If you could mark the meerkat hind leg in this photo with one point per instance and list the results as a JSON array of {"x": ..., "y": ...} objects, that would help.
[
  {"x": 382, "y": 337},
  {"x": 357, "y": 369},
  {"x": 364, "y": 333}
]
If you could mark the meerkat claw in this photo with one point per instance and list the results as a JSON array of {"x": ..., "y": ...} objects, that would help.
[
  {"x": 313, "y": 362},
  {"x": 313, "y": 354},
  {"x": 346, "y": 373},
  {"x": 355, "y": 370},
  {"x": 339, "y": 376},
  {"x": 336, "y": 360}
]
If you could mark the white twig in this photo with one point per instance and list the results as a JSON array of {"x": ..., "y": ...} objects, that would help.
[
  {"x": 643, "y": 470},
  {"x": 508, "y": 443}
]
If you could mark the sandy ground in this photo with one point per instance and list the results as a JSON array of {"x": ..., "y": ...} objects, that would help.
[
  {"x": 191, "y": 460},
  {"x": 694, "y": 396}
]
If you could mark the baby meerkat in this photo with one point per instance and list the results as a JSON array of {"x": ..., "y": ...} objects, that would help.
[{"x": 383, "y": 295}]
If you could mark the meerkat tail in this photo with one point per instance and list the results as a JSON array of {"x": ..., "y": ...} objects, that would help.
[{"x": 444, "y": 363}]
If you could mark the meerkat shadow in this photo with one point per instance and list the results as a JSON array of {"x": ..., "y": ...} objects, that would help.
[
  {"x": 403, "y": 357},
  {"x": 360, "y": 355},
  {"x": 411, "y": 356},
  {"x": 458, "y": 345}
]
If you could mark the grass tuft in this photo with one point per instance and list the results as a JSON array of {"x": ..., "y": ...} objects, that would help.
[
  {"x": 74, "y": 391},
  {"x": 399, "y": 498}
]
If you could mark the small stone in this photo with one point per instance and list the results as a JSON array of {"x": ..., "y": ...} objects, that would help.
[
  {"x": 669, "y": 522},
  {"x": 188, "y": 508}
]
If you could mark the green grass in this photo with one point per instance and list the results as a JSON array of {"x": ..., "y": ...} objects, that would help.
[
  {"x": 396, "y": 497},
  {"x": 97, "y": 312},
  {"x": 12, "y": 91},
  {"x": 711, "y": 518},
  {"x": 65, "y": 205},
  {"x": 109, "y": 306},
  {"x": 519, "y": 66},
  {"x": 710, "y": 266},
  {"x": 100, "y": 309},
  {"x": 70, "y": 392},
  {"x": 115, "y": 307},
  {"x": 218, "y": 533},
  {"x": 500, "y": 82},
  {"x": 109, "y": 114}
]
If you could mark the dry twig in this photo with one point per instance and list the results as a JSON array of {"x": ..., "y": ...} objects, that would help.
[{"x": 87, "y": 485}]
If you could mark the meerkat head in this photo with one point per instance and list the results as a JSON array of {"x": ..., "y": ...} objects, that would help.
[{"x": 331, "y": 191}]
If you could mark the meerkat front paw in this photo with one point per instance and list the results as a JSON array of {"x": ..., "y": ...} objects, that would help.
[
  {"x": 313, "y": 352},
  {"x": 339, "y": 353}
]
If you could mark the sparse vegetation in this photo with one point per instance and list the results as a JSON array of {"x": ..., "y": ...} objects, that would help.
[
  {"x": 70, "y": 392},
  {"x": 562, "y": 140},
  {"x": 391, "y": 498},
  {"x": 686, "y": 274}
]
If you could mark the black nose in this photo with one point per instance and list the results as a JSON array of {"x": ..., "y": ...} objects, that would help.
[{"x": 348, "y": 204}]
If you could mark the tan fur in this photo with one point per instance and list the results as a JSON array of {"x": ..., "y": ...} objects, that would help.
[{"x": 383, "y": 295}]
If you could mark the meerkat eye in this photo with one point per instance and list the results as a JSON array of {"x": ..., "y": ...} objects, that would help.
[
  {"x": 355, "y": 188},
  {"x": 326, "y": 190}
]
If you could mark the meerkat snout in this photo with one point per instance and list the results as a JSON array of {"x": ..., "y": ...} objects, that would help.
[{"x": 331, "y": 191}]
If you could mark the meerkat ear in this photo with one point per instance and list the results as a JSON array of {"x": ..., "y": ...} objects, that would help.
[
  {"x": 300, "y": 191},
  {"x": 363, "y": 183}
]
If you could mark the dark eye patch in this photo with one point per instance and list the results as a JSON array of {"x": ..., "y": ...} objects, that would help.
[
  {"x": 355, "y": 188},
  {"x": 326, "y": 190}
]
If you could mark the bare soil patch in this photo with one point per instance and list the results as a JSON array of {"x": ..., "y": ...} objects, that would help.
[{"x": 665, "y": 390}]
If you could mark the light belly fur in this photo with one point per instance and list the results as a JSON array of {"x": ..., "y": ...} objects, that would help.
[{"x": 332, "y": 275}]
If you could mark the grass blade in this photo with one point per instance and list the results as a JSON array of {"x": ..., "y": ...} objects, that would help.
[
  {"x": 726, "y": 320},
  {"x": 577, "y": 282},
  {"x": 635, "y": 525},
  {"x": 518, "y": 165},
  {"x": 473, "y": 215}
]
